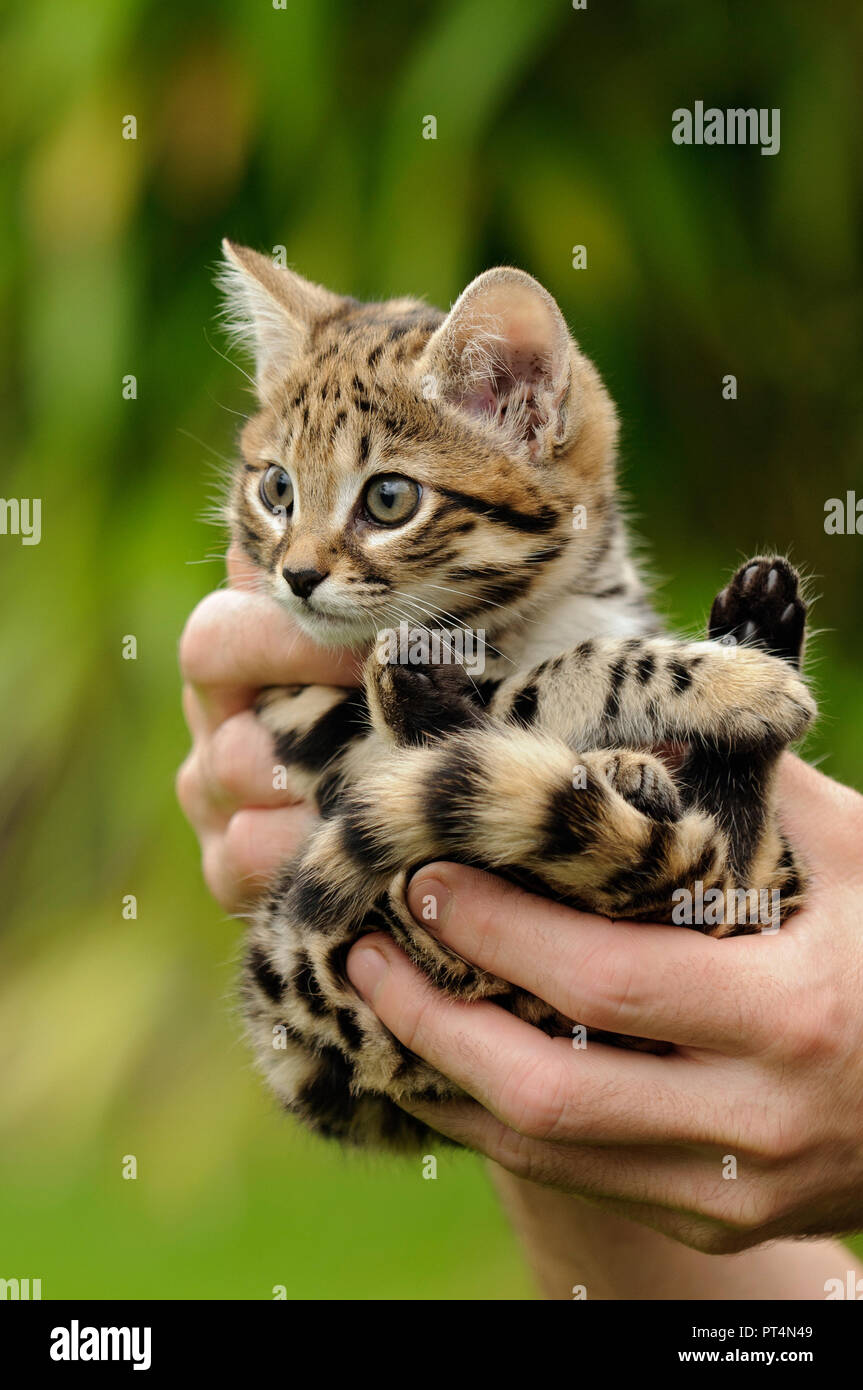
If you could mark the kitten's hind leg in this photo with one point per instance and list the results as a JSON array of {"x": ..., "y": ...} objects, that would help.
[
  {"x": 314, "y": 1081},
  {"x": 591, "y": 827},
  {"x": 762, "y": 607}
]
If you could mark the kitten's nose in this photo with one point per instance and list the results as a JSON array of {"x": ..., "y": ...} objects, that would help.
[{"x": 302, "y": 582}]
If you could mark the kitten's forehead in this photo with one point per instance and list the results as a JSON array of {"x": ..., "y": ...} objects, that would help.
[
  {"x": 354, "y": 403},
  {"x": 358, "y": 399}
]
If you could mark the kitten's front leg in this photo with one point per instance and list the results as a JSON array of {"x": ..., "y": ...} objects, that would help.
[{"x": 761, "y": 606}]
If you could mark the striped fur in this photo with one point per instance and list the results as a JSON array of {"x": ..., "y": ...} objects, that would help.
[{"x": 594, "y": 760}]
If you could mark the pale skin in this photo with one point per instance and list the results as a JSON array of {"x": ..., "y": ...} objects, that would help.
[{"x": 767, "y": 1069}]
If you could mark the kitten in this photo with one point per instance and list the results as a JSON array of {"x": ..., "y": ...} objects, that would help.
[{"x": 458, "y": 472}]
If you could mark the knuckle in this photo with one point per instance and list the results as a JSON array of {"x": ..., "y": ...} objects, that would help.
[
  {"x": 738, "y": 1208},
  {"x": 807, "y": 1032},
  {"x": 732, "y": 1216},
  {"x": 613, "y": 986},
  {"x": 748, "y": 1210},
  {"x": 239, "y": 846},
  {"x": 517, "y": 1153},
  {"x": 200, "y": 638},
  {"x": 717, "y": 1240},
  {"x": 781, "y": 1138},
  {"x": 186, "y": 784},
  {"x": 533, "y": 1099},
  {"x": 852, "y": 807},
  {"x": 486, "y": 930},
  {"x": 229, "y": 757},
  {"x": 213, "y": 870},
  {"x": 415, "y": 1020},
  {"x": 753, "y": 1210},
  {"x": 817, "y": 1028}
]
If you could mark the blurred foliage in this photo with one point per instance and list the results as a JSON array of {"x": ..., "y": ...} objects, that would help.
[{"x": 302, "y": 127}]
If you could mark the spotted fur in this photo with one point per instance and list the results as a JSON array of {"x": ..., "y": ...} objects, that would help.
[{"x": 593, "y": 760}]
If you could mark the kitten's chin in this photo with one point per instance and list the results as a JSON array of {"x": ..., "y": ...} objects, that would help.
[{"x": 330, "y": 630}]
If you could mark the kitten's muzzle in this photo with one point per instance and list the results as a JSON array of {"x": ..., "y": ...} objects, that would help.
[{"x": 302, "y": 582}]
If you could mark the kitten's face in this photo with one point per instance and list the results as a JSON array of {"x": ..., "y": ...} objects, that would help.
[{"x": 407, "y": 467}]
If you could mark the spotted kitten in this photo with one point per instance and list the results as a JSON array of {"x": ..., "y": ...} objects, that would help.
[{"x": 410, "y": 466}]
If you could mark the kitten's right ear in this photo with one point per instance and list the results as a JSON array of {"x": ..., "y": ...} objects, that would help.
[
  {"x": 270, "y": 309},
  {"x": 502, "y": 357}
]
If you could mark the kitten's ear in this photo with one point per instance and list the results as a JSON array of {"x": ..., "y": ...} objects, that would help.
[
  {"x": 270, "y": 309},
  {"x": 502, "y": 356}
]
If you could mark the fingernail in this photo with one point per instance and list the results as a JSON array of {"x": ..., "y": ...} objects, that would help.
[
  {"x": 429, "y": 901},
  {"x": 366, "y": 966}
]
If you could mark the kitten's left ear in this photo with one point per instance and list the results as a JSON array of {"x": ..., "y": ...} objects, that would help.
[
  {"x": 503, "y": 357},
  {"x": 270, "y": 308}
]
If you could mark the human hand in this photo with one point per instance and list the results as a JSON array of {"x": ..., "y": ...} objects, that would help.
[
  {"x": 235, "y": 643},
  {"x": 766, "y": 1079}
]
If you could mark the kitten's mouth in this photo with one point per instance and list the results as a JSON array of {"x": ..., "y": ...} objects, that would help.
[
  {"x": 322, "y": 615},
  {"x": 342, "y": 628}
]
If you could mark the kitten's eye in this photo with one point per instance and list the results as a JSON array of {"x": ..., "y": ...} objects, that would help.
[
  {"x": 277, "y": 490},
  {"x": 391, "y": 499}
]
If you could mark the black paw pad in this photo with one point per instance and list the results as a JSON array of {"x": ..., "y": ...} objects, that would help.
[
  {"x": 762, "y": 607},
  {"x": 427, "y": 701}
]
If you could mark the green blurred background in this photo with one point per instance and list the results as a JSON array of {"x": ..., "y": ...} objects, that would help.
[{"x": 302, "y": 127}]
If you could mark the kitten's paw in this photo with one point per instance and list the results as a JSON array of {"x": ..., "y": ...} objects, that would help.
[
  {"x": 762, "y": 607},
  {"x": 416, "y": 702},
  {"x": 645, "y": 783}
]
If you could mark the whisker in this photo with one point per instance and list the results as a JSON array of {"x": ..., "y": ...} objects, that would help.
[
  {"x": 240, "y": 414},
  {"x": 229, "y": 360},
  {"x": 440, "y": 614},
  {"x": 422, "y": 627},
  {"x": 231, "y": 463},
  {"x": 482, "y": 602}
]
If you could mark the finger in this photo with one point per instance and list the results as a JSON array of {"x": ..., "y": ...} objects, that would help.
[
  {"x": 194, "y": 712},
  {"x": 242, "y": 573},
  {"x": 647, "y": 981},
  {"x": 235, "y": 643},
  {"x": 205, "y": 813},
  {"x": 542, "y": 1087},
  {"x": 240, "y": 768},
  {"x": 683, "y": 1194},
  {"x": 240, "y": 863}
]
